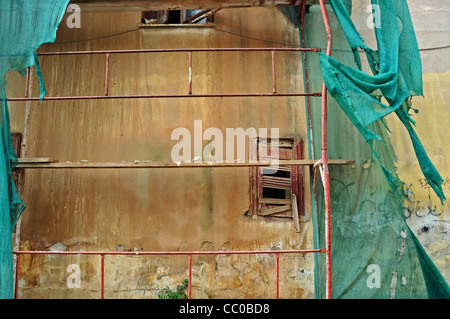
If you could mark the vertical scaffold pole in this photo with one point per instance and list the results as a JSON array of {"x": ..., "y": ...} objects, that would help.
[{"x": 326, "y": 176}]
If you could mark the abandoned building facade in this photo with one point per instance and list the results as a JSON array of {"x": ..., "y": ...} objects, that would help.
[{"x": 114, "y": 169}]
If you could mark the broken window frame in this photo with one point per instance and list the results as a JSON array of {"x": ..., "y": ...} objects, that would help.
[
  {"x": 17, "y": 174},
  {"x": 288, "y": 149},
  {"x": 185, "y": 17}
]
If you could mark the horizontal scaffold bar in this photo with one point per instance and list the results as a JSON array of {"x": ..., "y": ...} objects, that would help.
[
  {"x": 176, "y": 50},
  {"x": 189, "y": 92},
  {"x": 27, "y": 163},
  {"x": 219, "y": 252},
  {"x": 161, "y": 96}
]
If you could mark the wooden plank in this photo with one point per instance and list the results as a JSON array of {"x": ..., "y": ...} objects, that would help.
[
  {"x": 295, "y": 213},
  {"x": 275, "y": 186},
  {"x": 277, "y": 215},
  {"x": 53, "y": 164},
  {"x": 279, "y": 154},
  {"x": 279, "y": 168},
  {"x": 253, "y": 179},
  {"x": 276, "y": 182},
  {"x": 297, "y": 177},
  {"x": 274, "y": 210},
  {"x": 276, "y": 201},
  {"x": 37, "y": 160},
  {"x": 276, "y": 179},
  {"x": 177, "y": 25},
  {"x": 279, "y": 144},
  {"x": 155, "y": 5}
]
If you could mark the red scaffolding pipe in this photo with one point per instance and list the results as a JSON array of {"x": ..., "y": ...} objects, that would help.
[
  {"x": 165, "y": 253},
  {"x": 277, "y": 271},
  {"x": 107, "y": 74},
  {"x": 189, "y": 94},
  {"x": 308, "y": 103},
  {"x": 190, "y": 278},
  {"x": 150, "y": 96},
  {"x": 274, "y": 81},
  {"x": 102, "y": 261},
  {"x": 324, "y": 160},
  {"x": 169, "y": 253},
  {"x": 190, "y": 72},
  {"x": 176, "y": 50}
]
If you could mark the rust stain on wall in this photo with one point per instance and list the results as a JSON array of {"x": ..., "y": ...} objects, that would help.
[{"x": 158, "y": 209}]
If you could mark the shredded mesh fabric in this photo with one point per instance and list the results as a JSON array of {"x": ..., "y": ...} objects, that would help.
[
  {"x": 374, "y": 252},
  {"x": 397, "y": 75},
  {"x": 24, "y": 26}
]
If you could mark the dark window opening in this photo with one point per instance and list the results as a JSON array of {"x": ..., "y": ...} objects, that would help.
[
  {"x": 174, "y": 17},
  {"x": 273, "y": 193},
  {"x": 178, "y": 17}
]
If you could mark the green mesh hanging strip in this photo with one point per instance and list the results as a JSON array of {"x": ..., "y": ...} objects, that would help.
[{"x": 24, "y": 26}]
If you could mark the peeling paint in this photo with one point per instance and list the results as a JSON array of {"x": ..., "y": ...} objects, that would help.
[
  {"x": 402, "y": 247},
  {"x": 393, "y": 285},
  {"x": 159, "y": 210}
]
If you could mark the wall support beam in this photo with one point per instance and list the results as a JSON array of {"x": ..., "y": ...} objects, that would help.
[{"x": 154, "y": 5}]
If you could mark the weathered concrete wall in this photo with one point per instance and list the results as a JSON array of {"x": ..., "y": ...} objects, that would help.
[
  {"x": 158, "y": 209},
  {"x": 191, "y": 209}
]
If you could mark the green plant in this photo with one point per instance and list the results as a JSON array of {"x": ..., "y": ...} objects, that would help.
[{"x": 179, "y": 292}]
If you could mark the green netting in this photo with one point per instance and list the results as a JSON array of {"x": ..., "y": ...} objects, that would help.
[
  {"x": 397, "y": 75},
  {"x": 374, "y": 253},
  {"x": 24, "y": 26}
]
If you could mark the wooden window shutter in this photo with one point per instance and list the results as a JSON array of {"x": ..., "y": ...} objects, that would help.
[{"x": 272, "y": 195}]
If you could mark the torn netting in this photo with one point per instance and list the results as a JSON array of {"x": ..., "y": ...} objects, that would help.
[
  {"x": 397, "y": 75},
  {"x": 374, "y": 252},
  {"x": 24, "y": 26}
]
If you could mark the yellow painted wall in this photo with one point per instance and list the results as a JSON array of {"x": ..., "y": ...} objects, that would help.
[{"x": 426, "y": 216}]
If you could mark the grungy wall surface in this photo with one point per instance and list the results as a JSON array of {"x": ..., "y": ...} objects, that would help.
[
  {"x": 158, "y": 209},
  {"x": 192, "y": 209}
]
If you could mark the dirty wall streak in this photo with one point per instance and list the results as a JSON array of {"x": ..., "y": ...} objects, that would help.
[{"x": 160, "y": 209}]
